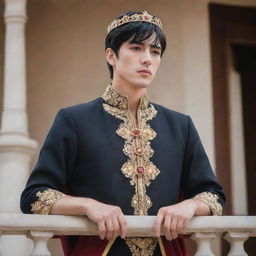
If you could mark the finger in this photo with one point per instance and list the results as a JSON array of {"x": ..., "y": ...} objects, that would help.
[
  {"x": 173, "y": 227},
  {"x": 110, "y": 229},
  {"x": 167, "y": 227},
  {"x": 123, "y": 225},
  {"x": 158, "y": 224},
  {"x": 102, "y": 229},
  {"x": 116, "y": 226},
  {"x": 180, "y": 225},
  {"x": 185, "y": 223}
]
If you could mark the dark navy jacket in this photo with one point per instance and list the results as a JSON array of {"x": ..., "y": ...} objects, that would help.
[{"x": 83, "y": 152}]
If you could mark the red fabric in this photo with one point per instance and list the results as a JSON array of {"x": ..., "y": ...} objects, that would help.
[
  {"x": 84, "y": 245},
  {"x": 65, "y": 245},
  {"x": 93, "y": 246},
  {"x": 176, "y": 247}
]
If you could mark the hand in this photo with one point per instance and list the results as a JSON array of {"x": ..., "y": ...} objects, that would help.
[
  {"x": 109, "y": 218},
  {"x": 175, "y": 218}
]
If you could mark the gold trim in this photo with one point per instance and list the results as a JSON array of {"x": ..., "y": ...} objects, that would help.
[
  {"x": 108, "y": 247},
  {"x": 138, "y": 168},
  {"x": 46, "y": 200},
  {"x": 212, "y": 201},
  {"x": 115, "y": 99},
  {"x": 161, "y": 245}
]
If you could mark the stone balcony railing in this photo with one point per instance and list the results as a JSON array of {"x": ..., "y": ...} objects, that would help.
[{"x": 40, "y": 228}]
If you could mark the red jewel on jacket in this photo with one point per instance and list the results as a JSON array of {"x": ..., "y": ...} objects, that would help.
[
  {"x": 136, "y": 133},
  {"x": 140, "y": 170}
]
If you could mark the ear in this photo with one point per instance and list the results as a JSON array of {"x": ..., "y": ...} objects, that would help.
[{"x": 110, "y": 56}]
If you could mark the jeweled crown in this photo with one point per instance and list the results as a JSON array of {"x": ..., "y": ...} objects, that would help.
[{"x": 143, "y": 17}]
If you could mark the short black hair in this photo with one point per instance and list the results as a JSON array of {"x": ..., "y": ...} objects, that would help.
[{"x": 137, "y": 31}]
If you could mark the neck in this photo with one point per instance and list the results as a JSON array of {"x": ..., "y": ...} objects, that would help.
[{"x": 134, "y": 94}]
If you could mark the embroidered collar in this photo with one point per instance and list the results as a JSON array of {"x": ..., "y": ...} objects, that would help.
[{"x": 114, "y": 98}]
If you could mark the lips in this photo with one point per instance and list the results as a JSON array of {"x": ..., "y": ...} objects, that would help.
[{"x": 145, "y": 71}]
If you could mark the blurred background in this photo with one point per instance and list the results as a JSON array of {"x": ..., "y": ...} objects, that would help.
[{"x": 208, "y": 72}]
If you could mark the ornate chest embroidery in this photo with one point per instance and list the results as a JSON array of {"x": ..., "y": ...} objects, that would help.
[{"x": 138, "y": 168}]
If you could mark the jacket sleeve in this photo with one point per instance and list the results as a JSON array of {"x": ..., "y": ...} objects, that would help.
[
  {"x": 56, "y": 161},
  {"x": 198, "y": 179}
]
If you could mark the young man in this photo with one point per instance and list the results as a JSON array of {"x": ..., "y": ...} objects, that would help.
[{"x": 122, "y": 155}]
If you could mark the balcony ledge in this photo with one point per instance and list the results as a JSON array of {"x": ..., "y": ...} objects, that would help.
[{"x": 136, "y": 225}]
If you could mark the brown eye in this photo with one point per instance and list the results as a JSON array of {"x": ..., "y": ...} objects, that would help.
[
  {"x": 156, "y": 52},
  {"x": 136, "y": 48}
]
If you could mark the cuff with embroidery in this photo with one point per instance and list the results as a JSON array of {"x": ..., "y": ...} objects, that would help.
[
  {"x": 212, "y": 201},
  {"x": 46, "y": 200}
]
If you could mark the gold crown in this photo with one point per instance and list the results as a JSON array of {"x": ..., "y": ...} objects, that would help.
[{"x": 144, "y": 17}]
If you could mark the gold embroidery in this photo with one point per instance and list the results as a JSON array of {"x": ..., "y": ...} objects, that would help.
[
  {"x": 45, "y": 201},
  {"x": 212, "y": 201},
  {"x": 142, "y": 246},
  {"x": 115, "y": 99},
  {"x": 138, "y": 168},
  {"x": 150, "y": 172}
]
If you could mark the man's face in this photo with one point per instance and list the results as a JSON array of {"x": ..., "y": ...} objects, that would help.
[{"x": 137, "y": 63}]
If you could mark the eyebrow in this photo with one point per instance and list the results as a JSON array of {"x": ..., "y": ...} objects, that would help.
[{"x": 155, "y": 46}]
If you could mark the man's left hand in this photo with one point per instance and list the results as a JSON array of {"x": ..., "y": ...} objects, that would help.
[{"x": 175, "y": 218}]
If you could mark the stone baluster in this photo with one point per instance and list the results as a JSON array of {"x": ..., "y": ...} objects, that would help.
[
  {"x": 236, "y": 240},
  {"x": 40, "y": 243},
  {"x": 203, "y": 241}
]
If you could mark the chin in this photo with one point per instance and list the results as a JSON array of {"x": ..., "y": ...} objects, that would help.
[{"x": 143, "y": 84}]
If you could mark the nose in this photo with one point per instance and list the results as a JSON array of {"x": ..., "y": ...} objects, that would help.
[{"x": 146, "y": 58}]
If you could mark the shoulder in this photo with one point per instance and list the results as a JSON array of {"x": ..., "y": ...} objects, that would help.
[
  {"x": 171, "y": 115},
  {"x": 177, "y": 120},
  {"x": 78, "y": 113},
  {"x": 88, "y": 106},
  {"x": 79, "y": 110}
]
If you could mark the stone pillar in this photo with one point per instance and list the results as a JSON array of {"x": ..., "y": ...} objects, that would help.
[
  {"x": 40, "y": 243},
  {"x": 236, "y": 240},
  {"x": 203, "y": 241},
  {"x": 16, "y": 149}
]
